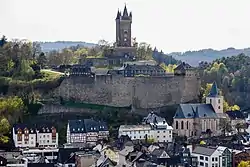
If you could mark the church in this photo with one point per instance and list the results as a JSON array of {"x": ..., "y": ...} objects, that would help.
[{"x": 197, "y": 119}]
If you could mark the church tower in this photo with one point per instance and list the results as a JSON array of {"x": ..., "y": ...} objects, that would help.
[
  {"x": 123, "y": 28},
  {"x": 215, "y": 99}
]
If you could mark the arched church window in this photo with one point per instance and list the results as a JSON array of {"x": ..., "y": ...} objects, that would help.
[
  {"x": 182, "y": 125},
  {"x": 176, "y": 124},
  {"x": 125, "y": 39},
  {"x": 187, "y": 124}
]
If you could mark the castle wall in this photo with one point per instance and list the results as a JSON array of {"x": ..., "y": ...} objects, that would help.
[{"x": 119, "y": 91}]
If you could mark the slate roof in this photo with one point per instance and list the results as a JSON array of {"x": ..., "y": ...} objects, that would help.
[
  {"x": 183, "y": 66},
  {"x": 195, "y": 111},
  {"x": 23, "y": 126},
  {"x": 143, "y": 67},
  {"x": 86, "y": 125},
  {"x": 214, "y": 92},
  {"x": 235, "y": 115},
  {"x": 153, "y": 118},
  {"x": 204, "y": 150}
]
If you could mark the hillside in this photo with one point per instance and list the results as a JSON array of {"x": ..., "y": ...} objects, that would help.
[
  {"x": 191, "y": 57},
  {"x": 59, "y": 45},
  {"x": 209, "y": 55}
]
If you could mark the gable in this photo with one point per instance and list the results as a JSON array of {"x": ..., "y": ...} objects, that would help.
[
  {"x": 179, "y": 113},
  {"x": 164, "y": 155}
]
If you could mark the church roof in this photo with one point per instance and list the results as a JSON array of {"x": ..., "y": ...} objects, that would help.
[
  {"x": 195, "y": 111},
  {"x": 214, "y": 92}
]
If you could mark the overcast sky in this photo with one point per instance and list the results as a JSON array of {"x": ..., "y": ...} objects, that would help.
[{"x": 171, "y": 25}]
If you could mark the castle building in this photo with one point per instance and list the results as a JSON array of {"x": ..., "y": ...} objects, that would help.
[
  {"x": 25, "y": 136},
  {"x": 197, "y": 119},
  {"x": 86, "y": 131},
  {"x": 153, "y": 128}
]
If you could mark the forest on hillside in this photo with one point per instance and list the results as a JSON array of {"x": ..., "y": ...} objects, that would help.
[{"x": 232, "y": 75}]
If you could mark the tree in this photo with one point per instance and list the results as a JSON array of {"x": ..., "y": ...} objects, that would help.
[
  {"x": 225, "y": 126},
  {"x": 3, "y": 41},
  {"x": 244, "y": 164},
  {"x": 4, "y": 130},
  {"x": 41, "y": 60}
]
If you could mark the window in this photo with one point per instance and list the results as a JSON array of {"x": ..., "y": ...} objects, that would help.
[
  {"x": 43, "y": 136},
  {"x": 164, "y": 131},
  {"x": 157, "y": 136},
  {"x": 176, "y": 124},
  {"x": 201, "y": 164},
  {"x": 164, "y": 136},
  {"x": 216, "y": 165},
  {"x": 212, "y": 165},
  {"x": 182, "y": 124},
  {"x": 158, "y": 132},
  {"x": 47, "y": 141},
  {"x": 218, "y": 107},
  {"x": 219, "y": 101},
  {"x": 187, "y": 124},
  {"x": 210, "y": 101},
  {"x": 47, "y": 136},
  {"x": 201, "y": 158},
  {"x": 125, "y": 39},
  {"x": 206, "y": 158},
  {"x": 216, "y": 159},
  {"x": 213, "y": 159}
]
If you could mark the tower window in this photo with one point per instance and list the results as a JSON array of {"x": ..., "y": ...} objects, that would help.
[
  {"x": 125, "y": 31},
  {"x": 218, "y": 100},
  {"x": 125, "y": 39}
]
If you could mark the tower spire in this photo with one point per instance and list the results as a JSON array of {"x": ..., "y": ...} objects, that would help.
[
  {"x": 125, "y": 11},
  {"x": 118, "y": 14}
]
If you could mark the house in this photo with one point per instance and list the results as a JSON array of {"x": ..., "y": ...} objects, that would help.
[
  {"x": 24, "y": 136},
  {"x": 86, "y": 159},
  {"x": 47, "y": 136},
  {"x": 86, "y": 131},
  {"x": 185, "y": 69},
  {"x": 153, "y": 128},
  {"x": 131, "y": 70},
  {"x": 237, "y": 120},
  {"x": 80, "y": 70},
  {"x": 161, "y": 131},
  {"x": 213, "y": 156},
  {"x": 160, "y": 156},
  {"x": 34, "y": 136},
  {"x": 197, "y": 119}
]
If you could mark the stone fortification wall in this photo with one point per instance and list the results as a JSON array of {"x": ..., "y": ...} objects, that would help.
[{"x": 119, "y": 91}]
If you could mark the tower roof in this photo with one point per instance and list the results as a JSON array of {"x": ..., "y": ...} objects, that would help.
[
  {"x": 214, "y": 92},
  {"x": 118, "y": 14},
  {"x": 125, "y": 11}
]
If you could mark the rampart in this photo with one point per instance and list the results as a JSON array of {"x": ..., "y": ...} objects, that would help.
[{"x": 119, "y": 91}]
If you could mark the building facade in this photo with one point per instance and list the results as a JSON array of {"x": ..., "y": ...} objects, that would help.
[
  {"x": 213, "y": 156},
  {"x": 153, "y": 128},
  {"x": 26, "y": 136},
  {"x": 197, "y": 119},
  {"x": 86, "y": 131}
]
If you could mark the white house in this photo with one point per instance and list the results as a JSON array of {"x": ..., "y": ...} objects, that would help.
[
  {"x": 152, "y": 127},
  {"x": 213, "y": 156},
  {"x": 47, "y": 137},
  {"x": 31, "y": 137},
  {"x": 23, "y": 136},
  {"x": 86, "y": 131}
]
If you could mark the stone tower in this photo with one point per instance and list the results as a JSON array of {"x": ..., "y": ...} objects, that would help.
[
  {"x": 215, "y": 99},
  {"x": 123, "y": 28}
]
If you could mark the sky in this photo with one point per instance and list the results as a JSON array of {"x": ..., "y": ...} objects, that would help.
[{"x": 170, "y": 25}]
